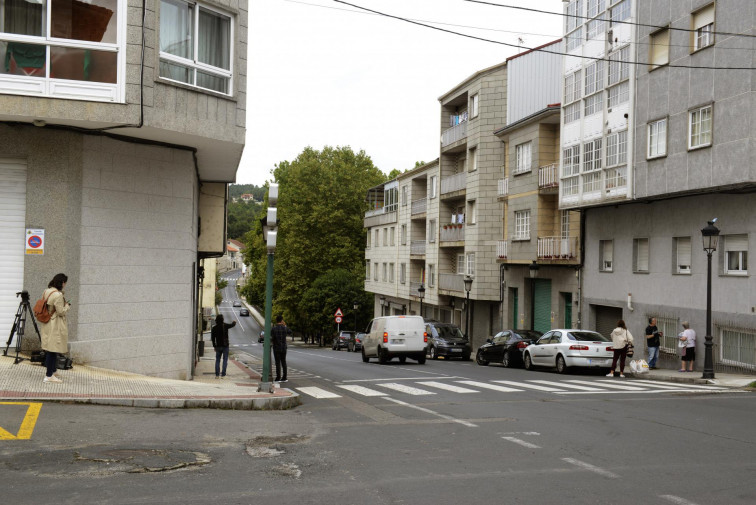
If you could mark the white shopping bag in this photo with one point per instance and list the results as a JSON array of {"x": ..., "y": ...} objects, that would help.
[
  {"x": 634, "y": 366},
  {"x": 642, "y": 366}
]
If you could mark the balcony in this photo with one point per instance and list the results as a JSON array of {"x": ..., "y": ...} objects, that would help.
[
  {"x": 451, "y": 282},
  {"x": 413, "y": 289},
  {"x": 557, "y": 248},
  {"x": 503, "y": 188},
  {"x": 453, "y": 233},
  {"x": 453, "y": 134},
  {"x": 501, "y": 249},
  {"x": 379, "y": 216},
  {"x": 452, "y": 183},
  {"x": 548, "y": 177},
  {"x": 419, "y": 206},
  {"x": 417, "y": 247}
]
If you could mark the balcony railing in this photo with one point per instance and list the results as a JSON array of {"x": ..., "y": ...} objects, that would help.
[
  {"x": 501, "y": 249},
  {"x": 557, "y": 248},
  {"x": 413, "y": 289},
  {"x": 548, "y": 176},
  {"x": 419, "y": 206},
  {"x": 454, "y": 134},
  {"x": 504, "y": 187},
  {"x": 417, "y": 247},
  {"x": 453, "y": 183},
  {"x": 451, "y": 282},
  {"x": 452, "y": 233}
]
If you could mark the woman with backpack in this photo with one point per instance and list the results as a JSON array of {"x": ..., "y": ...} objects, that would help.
[
  {"x": 621, "y": 342},
  {"x": 55, "y": 331}
]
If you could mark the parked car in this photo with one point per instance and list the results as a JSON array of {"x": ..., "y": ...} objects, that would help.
[
  {"x": 507, "y": 347},
  {"x": 447, "y": 340},
  {"x": 244, "y": 312},
  {"x": 395, "y": 336},
  {"x": 569, "y": 348},
  {"x": 355, "y": 343},
  {"x": 261, "y": 338},
  {"x": 341, "y": 341},
  {"x": 237, "y": 303}
]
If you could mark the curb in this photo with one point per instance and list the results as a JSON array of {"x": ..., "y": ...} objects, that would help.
[{"x": 277, "y": 403}]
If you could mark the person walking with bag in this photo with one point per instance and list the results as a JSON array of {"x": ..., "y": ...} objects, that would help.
[
  {"x": 278, "y": 335},
  {"x": 55, "y": 331},
  {"x": 688, "y": 338},
  {"x": 621, "y": 342},
  {"x": 219, "y": 338}
]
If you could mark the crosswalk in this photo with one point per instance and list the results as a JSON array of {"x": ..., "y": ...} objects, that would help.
[{"x": 456, "y": 386}]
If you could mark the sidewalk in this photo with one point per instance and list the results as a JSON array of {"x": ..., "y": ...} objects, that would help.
[
  {"x": 721, "y": 379},
  {"x": 84, "y": 384}
]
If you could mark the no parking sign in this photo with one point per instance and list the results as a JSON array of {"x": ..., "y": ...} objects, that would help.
[{"x": 35, "y": 241}]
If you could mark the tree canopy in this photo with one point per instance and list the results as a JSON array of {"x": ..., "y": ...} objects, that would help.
[{"x": 241, "y": 217}]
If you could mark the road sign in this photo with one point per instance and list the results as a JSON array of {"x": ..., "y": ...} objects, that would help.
[
  {"x": 338, "y": 319},
  {"x": 338, "y": 312},
  {"x": 35, "y": 241}
]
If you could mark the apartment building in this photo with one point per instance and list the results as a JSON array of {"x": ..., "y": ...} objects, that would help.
[
  {"x": 121, "y": 123},
  {"x": 684, "y": 156},
  {"x": 538, "y": 253}
]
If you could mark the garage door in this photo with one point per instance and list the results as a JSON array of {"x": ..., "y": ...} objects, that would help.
[
  {"x": 542, "y": 317},
  {"x": 606, "y": 319},
  {"x": 12, "y": 229}
]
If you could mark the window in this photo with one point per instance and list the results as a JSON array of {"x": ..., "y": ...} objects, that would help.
[
  {"x": 377, "y": 238},
  {"x": 461, "y": 264},
  {"x": 572, "y": 87},
  {"x": 432, "y": 188},
  {"x": 523, "y": 156},
  {"x": 593, "y": 104},
  {"x": 385, "y": 272},
  {"x": 657, "y": 138},
  {"x": 367, "y": 270},
  {"x": 574, "y": 13},
  {"x": 474, "y": 106},
  {"x": 659, "y": 48},
  {"x": 375, "y": 272},
  {"x": 570, "y": 186},
  {"x": 620, "y": 12},
  {"x": 565, "y": 224},
  {"x": 404, "y": 195},
  {"x": 699, "y": 127},
  {"x": 404, "y": 234},
  {"x": 385, "y": 237},
  {"x": 522, "y": 225},
  {"x": 432, "y": 230},
  {"x": 594, "y": 77},
  {"x": 64, "y": 49},
  {"x": 606, "y": 255},
  {"x": 595, "y": 27},
  {"x": 616, "y": 149},
  {"x": 736, "y": 254},
  {"x": 703, "y": 26},
  {"x": 572, "y": 113},
  {"x": 682, "y": 255},
  {"x": 574, "y": 39},
  {"x": 369, "y": 235},
  {"x": 472, "y": 212},
  {"x": 738, "y": 347},
  {"x": 196, "y": 45},
  {"x": 592, "y": 155},
  {"x": 595, "y": 7},
  {"x": 391, "y": 272},
  {"x": 391, "y": 235},
  {"x": 571, "y": 161},
  {"x": 470, "y": 264},
  {"x": 472, "y": 164},
  {"x": 670, "y": 327},
  {"x": 402, "y": 273},
  {"x": 431, "y": 275},
  {"x": 618, "y": 94},
  {"x": 640, "y": 255},
  {"x": 619, "y": 66}
]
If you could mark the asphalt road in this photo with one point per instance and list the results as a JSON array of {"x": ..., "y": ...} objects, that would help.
[{"x": 447, "y": 432}]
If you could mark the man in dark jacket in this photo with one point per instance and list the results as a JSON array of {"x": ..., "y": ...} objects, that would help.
[
  {"x": 278, "y": 335},
  {"x": 219, "y": 337}
]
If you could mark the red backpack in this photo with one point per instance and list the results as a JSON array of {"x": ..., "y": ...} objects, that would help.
[{"x": 41, "y": 312}]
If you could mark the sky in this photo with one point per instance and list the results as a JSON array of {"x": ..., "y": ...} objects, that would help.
[{"x": 321, "y": 73}]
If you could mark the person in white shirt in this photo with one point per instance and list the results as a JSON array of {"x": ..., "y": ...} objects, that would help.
[{"x": 689, "y": 338}]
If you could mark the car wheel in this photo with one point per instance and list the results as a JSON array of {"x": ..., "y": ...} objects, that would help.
[
  {"x": 432, "y": 353},
  {"x": 479, "y": 359},
  {"x": 382, "y": 356},
  {"x": 421, "y": 359},
  {"x": 365, "y": 359},
  {"x": 506, "y": 361},
  {"x": 402, "y": 359},
  {"x": 528, "y": 362},
  {"x": 561, "y": 366}
]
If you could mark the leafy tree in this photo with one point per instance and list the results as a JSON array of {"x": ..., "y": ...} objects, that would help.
[
  {"x": 237, "y": 190},
  {"x": 394, "y": 174},
  {"x": 241, "y": 217},
  {"x": 337, "y": 288}
]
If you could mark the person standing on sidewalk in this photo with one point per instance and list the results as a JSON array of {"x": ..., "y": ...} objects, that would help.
[
  {"x": 653, "y": 342},
  {"x": 55, "y": 331},
  {"x": 621, "y": 341},
  {"x": 689, "y": 338},
  {"x": 219, "y": 337},
  {"x": 278, "y": 335}
]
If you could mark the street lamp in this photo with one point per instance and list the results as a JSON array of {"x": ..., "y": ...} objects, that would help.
[
  {"x": 383, "y": 302},
  {"x": 533, "y": 271},
  {"x": 468, "y": 286},
  {"x": 356, "y": 306},
  {"x": 269, "y": 228},
  {"x": 421, "y": 295},
  {"x": 710, "y": 236}
]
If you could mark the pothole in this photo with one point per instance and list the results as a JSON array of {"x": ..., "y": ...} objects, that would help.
[{"x": 268, "y": 447}]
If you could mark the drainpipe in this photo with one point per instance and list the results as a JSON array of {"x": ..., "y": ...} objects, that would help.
[{"x": 579, "y": 271}]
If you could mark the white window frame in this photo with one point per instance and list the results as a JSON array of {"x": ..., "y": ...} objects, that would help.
[
  {"x": 522, "y": 224},
  {"x": 703, "y": 118},
  {"x": 574, "y": 39},
  {"x": 657, "y": 139},
  {"x": 593, "y": 104},
  {"x": 375, "y": 271},
  {"x": 431, "y": 230},
  {"x": 385, "y": 237},
  {"x": 377, "y": 240},
  {"x": 472, "y": 212},
  {"x": 369, "y": 237},
  {"x": 573, "y": 18},
  {"x": 572, "y": 112},
  {"x": 404, "y": 195},
  {"x": 618, "y": 69},
  {"x": 461, "y": 264},
  {"x": 392, "y": 267},
  {"x": 736, "y": 246},
  {"x": 472, "y": 156},
  {"x": 659, "y": 48},
  {"x": 619, "y": 12},
  {"x": 703, "y": 26},
  {"x": 431, "y": 275},
  {"x": 683, "y": 255},
  {"x": 573, "y": 87},
  {"x": 402, "y": 273},
  {"x": 606, "y": 255},
  {"x": 404, "y": 234},
  {"x": 564, "y": 224},
  {"x": 594, "y": 77},
  {"x": 595, "y": 7},
  {"x": 617, "y": 95},
  {"x": 641, "y": 255},
  {"x": 738, "y": 354},
  {"x": 470, "y": 264},
  {"x": 474, "y": 105},
  {"x": 595, "y": 27},
  {"x": 523, "y": 157},
  {"x": 432, "y": 186},
  {"x": 616, "y": 149}
]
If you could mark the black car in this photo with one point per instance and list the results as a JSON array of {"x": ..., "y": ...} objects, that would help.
[
  {"x": 506, "y": 347},
  {"x": 446, "y": 339},
  {"x": 244, "y": 312},
  {"x": 355, "y": 343},
  {"x": 341, "y": 341}
]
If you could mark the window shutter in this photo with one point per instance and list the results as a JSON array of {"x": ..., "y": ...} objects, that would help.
[
  {"x": 660, "y": 48},
  {"x": 703, "y": 17},
  {"x": 683, "y": 253},
  {"x": 608, "y": 250},
  {"x": 642, "y": 260},
  {"x": 736, "y": 243}
]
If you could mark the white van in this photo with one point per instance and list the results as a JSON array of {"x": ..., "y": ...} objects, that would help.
[{"x": 395, "y": 336}]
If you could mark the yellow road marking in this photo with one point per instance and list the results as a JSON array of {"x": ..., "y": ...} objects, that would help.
[{"x": 27, "y": 425}]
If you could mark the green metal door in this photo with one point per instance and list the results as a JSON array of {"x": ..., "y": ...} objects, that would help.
[
  {"x": 567, "y": 310},
  {"x": 515, "y": 308},
  {"x": 542, "y": 308}
]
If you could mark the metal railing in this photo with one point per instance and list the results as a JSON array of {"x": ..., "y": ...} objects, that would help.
[
  {"x": 454, "y": 134},
  {"x": 419, "y": 206},
  {"x": 417, "y": 247},
  {"x": 452, "y": 233},
  {"x": 503, "y": 187},
  {"x": 501, "y": 249},
  {"x": 557, "y": 247},
  {"x": 451, "y": 282},
  {"x": 454, "y": 182},
  {"x": 548, "y": 176}
]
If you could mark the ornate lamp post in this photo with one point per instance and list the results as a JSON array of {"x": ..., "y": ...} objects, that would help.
[
  {"x": 710, "y": 236},
  {"x": 383, "y": 302},
  {"x": 533, "y": 271},
  {"x": 421, "y": 295},
  {"x": 468, "y": 286}
]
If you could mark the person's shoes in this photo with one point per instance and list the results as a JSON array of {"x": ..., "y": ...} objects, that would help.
[
  {"x": 277, "y": 379},
  {"x": 217, "y": 377},
  {"x": 652, "y": 368},
  {"x": 52, "y": 378},
  {"x": 681, "y": 370},
  {"x": 57, "y": 376},
  {"x": 284, "y": 380},
  {"x": 622, "y": 376},
  {"x": 610, "y": 374}
]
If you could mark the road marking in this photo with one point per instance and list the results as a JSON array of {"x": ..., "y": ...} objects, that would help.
[
  {"x": 403, "y": 379},
  {"x": 522, "y": 433},
  {"x": 676, "y": 499},
  {"x": 570, "y": 386},
  {"x": 318, "y": 393},
  {"x": 448, "y": 387},
  {"x": 685, "y": 386},
  {"x": 27, "y": 424},
  {"x": 522, "y": 442},
  {"x": 485, "y": 385},
  {"x": 591, "y": 468},
  {"x": 611, "y": 386},
  {"x": 406, "y": 389},
  {"x": 443, "y": 416},
  {"x": 530, "y": 386},
  {"x": 361, "y": 390}
]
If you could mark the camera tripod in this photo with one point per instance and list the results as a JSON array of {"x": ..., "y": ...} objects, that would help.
[{"x": 19, "y": 325}]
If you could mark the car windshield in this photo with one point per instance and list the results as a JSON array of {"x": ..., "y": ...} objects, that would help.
[
  {"x": 587, "y": 336},
  {"x": 528, "y": 334},
  {"x": 449, "y": 332}
]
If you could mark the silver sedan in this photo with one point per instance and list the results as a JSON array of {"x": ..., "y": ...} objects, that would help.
[{"x": 565, "y": 348}]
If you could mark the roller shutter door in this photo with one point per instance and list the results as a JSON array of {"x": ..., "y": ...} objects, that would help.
[
  {"x": 606, "y": 319},
  {"x": 542, "y": 319},
  {"x": 12, "y": 229}
]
